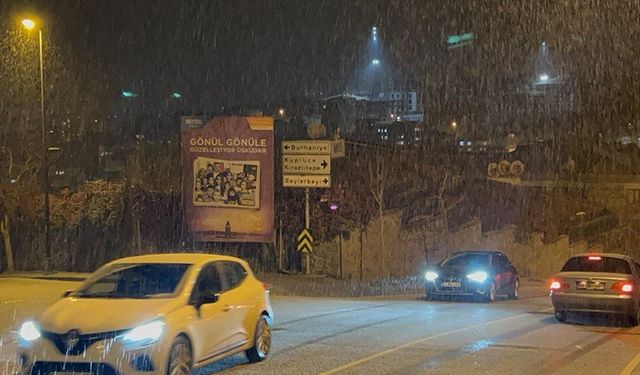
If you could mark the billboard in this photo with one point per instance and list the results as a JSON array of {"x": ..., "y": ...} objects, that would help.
[{"x": 228, "y": 179}]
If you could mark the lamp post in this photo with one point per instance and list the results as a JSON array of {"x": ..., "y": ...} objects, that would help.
[{"x": 30, "y": 24}]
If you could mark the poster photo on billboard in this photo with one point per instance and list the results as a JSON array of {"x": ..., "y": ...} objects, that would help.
[
  {"x": 226, "y": 183},
  {"x": 228, "y": 179}
]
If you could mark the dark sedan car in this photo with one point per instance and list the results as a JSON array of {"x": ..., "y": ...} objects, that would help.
[
  {"x": 483, "y": 275},
  {"x": 598, "y": 283}
]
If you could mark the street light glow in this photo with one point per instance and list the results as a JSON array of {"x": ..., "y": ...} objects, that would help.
[
  {"x": 129, "y": 94},
  {"x": 28, "y": 23},
  {"x": 281, "y": 111}
]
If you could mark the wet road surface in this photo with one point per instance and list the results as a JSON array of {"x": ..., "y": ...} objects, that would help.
[{"x": 398, "y": 336}]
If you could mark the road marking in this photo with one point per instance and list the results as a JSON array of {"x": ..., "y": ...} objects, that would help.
[
  {"x": 419, "y": 341},
  {"x": 631, "y": 366}
]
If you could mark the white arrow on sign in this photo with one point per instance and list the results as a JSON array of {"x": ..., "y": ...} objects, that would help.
[
  {"x": 306, "y": 147},
  {"x": 306, "y": 181},
  {"x": 306, "y": 164}
]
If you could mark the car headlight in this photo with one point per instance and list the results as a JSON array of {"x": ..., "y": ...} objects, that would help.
[
  {"x": 479, "y": 276},
  {"x": 430, "y": 276},
  {"x": 29, "y": 331},
  {"x": 146, "y": 333}
]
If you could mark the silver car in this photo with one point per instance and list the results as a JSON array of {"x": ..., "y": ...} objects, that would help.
[{"x": 598, "y": 283}]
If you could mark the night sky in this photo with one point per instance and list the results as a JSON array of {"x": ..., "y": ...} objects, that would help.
[{"x": 257, "y": 53}]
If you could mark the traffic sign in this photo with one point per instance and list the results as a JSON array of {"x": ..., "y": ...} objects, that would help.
[
  {"x": 306, "y": 147},
  {"x": 306, "y": 164},
  {"x": 306, "y": 181},
  {"x": 305, "y": 241}
]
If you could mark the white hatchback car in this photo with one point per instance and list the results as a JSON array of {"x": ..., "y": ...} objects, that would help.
[{"x": 152, "y": 314}]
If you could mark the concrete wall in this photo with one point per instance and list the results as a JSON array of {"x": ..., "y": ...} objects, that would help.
[
  {"x": 406, "y": 250},
  {"x": 534, "y": 259}
]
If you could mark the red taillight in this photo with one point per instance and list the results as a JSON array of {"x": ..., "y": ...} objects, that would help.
[
  {"x": 623, "y": 287},
  {"x": 558, "y": 284},
  {"x": 265, "y": 286},
  {"x": 595, "y": 257}
]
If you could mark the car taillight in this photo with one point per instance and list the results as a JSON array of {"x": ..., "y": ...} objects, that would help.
[
  {"x": 558, "y": 284},
  {"x": 623, "y": 287}
]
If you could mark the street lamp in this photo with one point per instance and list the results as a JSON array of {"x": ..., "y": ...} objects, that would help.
[{"x": 30, "y": 24}]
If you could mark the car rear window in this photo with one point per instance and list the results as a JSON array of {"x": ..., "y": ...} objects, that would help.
[{"x": 597, "y": 264}]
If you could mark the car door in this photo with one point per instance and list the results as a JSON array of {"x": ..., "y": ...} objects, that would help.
[
  {"x": 212, "y": 327},
  {"x": 237, "y": 302},
  {"x": 503, "y": 273},
  {"x": 512, "y": 272}
]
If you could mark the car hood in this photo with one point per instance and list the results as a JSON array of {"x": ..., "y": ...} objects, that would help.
[{"x": 93, "y": 315}]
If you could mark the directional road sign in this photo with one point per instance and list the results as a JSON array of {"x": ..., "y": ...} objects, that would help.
[
  {"x": 306, "y": 181},
  {"x": 306, "y": 147},
  {"x": 306, "y": 164},
  {"x": 305, "y": 241}
]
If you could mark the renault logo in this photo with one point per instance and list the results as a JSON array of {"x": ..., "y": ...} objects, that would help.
[{"x": 72, "y": 339}]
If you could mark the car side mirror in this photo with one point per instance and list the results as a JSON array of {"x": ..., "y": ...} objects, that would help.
[
  {"x": 67, "y": 293},
  {"x": 207, "y": 298}
]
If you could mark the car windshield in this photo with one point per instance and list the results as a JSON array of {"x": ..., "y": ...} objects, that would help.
[
  {"x": 135, "y": 281},
  {"x": 597, "y": 264},
  {"x": 466, "y": 259}
]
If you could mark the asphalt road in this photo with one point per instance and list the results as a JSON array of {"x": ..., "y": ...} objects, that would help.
[{"x": 399, "y": 336}]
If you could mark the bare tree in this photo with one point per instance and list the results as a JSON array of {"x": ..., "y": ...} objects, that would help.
[
  {"x": 378, "y": 182},
  {"x": 4, "y": 232},
  {"x": 17, "y": 172}
]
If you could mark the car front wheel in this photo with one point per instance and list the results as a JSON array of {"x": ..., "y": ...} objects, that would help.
[
  {"x": 491, "y": 294},
  {"x": 262, "y": 341},
  {"x": 180, "y": 359},
  {"x": 561, "y": 316}
]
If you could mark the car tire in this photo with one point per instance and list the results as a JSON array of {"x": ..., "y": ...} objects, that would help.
[
  {"x": 561, "y": 316},
  {"x": 261, "y": 341},
  {"x": 490, "y": 297},
  {"x": 634, "y": 319},
  {"x": 429, "y": 296},
  {"x": 180, "y": 357},
  {"x": 515, "y": 293}
]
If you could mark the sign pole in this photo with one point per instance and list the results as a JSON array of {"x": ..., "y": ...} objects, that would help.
[
  {"x": 307, "y": 223},
  {"x": 280, "y": 248}
]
